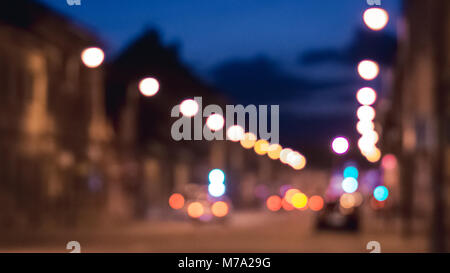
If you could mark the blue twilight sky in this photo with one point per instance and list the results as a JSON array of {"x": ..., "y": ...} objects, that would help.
[
  {"x": 252, "y": 49},
  {"x": 211, "y": 31}
]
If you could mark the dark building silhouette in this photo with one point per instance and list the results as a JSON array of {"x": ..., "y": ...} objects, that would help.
[
  {"x": 53, "y": 130},
  {"x": 416, "y": 125}
]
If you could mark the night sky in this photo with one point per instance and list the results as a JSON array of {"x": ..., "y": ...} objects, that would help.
[{"x": 299, "y": 54}]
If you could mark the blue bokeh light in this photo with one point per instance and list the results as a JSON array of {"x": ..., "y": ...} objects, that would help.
[
  {"x": 381, "y": 193},
  {"x": 351, "y": 172}
]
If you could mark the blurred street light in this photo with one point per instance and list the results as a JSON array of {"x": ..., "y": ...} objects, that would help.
[
  {"x": 340, "y": 145},
  {"x": 176, "y": 201},
  {"x": 366, "y": 113},
  {"x": 299, "y": 200},
  {"x": 284, "y": 155},
  {"x": 274, "y": 151},
  {"x": 195, "y": 210},
  {"x": 92, "y": 57},
  {"x": 368, "y": 70},
  {"x": 366, "y": 96},
  {"x": 235, "y": 133},
  {"x": 381, "y": 193},
  {"x": 347, "y": 201},
  {"x": 216, "y": 189},
  {"x": 216, "y": 176},
  {"x": 350, "y": 185},
  {"x": 374, "y": 155},
  {"x": 215, "y": 122},
  {"x": 351, "y": 171},
  {"x": 149, "y": 87},
  {"x": 273, "y": 203},
  {"x": 261, "y": 147},
  {"x": 375, "y": 18},
  {"x": 219, "y": 209},
  {"x": 315, "y": 203},
  {"x": 248, "y": 141},
  {"x": 189, "y": 108},
  {"x": 364, "y": 126}
]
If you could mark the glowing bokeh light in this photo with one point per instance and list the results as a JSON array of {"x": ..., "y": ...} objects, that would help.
[
  {"x": 366, "y": 113},
  {"x": 358, "y": 198},
  {"x": 274, "y": 151},
  {"x": 176, "y": 201},
  {"x": 364, "y": 126},
  {"x": 284, "y": 155},
  {"x": 248, "y": 141},
  {"x": 219, "y": 209},
  {"x": 315, "y": 203},
  {"x": 347, "y": 201},
  {"x": 235, "y": 133},
  {"x": 189, "y": 108},
  {"x": 299, "y": 200},
  {"x": 149, "y": 87},
  {"x": 380, "y": 193},
  {"x": 216, "y": 176},
  {"x": 375, "y": 18},
  {"x": 340, "y": 145},
  {"x": 368, "y": 70},
  {"x": 289, "y": 194},
  {"x": 351, "y": 171},
  {"x": 349, "y": 185},
  {"x": 92, "y": 57},
  {"x": 389, "y": 162},
  {"x": 261, "y": 147},
  {"x": 371, "y": 136},
  {"x": 286, "y": 205},
  {"x": 215, "y": 122},
  {"x": 195, "y": 210},
  {"x": 366, "y": 96},
  {"x": 366, "y": 145},
  {"x": 374, "y": 155},
  {"x": 216, "y": 189},
  {"x": 273, "y": 203}
]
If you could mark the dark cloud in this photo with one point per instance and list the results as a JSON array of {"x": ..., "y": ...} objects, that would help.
[
  {"x": 261, "y": 80},
  {"x": 379, "y": 46}
]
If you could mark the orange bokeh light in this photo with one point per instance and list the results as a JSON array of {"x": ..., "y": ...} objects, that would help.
[
  {"x": 195, "y": 210},
  {"x": 248, "y": 141},
  {"x": 289, "y": 194},
  {"x": 315, "y": 203},
  {"x": 286, "y": 206},
  {"x": 176, "y": 201},
  {"x": 261, "y": 147},
  {"x": 219, "y": 209},
  {"x": 273, "y": 203}
]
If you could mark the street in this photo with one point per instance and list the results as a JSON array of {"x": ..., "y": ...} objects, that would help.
[{"x": 244, "y": 232}]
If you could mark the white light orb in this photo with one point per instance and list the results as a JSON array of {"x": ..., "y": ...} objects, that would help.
[
  {"x": 235, "y": 133},
  {"x": 216, "y": 189},
  {"x": 340, "y": 145},
  {"x": 92, "y": 57},
  {"x": 189, "y": 108},
  {"x": 368, "y": 70},
  {"x": 364, "y": 126},
  {"x": 215, "y": 122},
  {"x": 349, "y": 185},
  {"x": 376, "y": 18},
  {"x": 366, "y": 96},
  {"x": 216, "y": 176},
  {"x": 366, "y": 113},
  {"x": 149, "y": 87}
]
